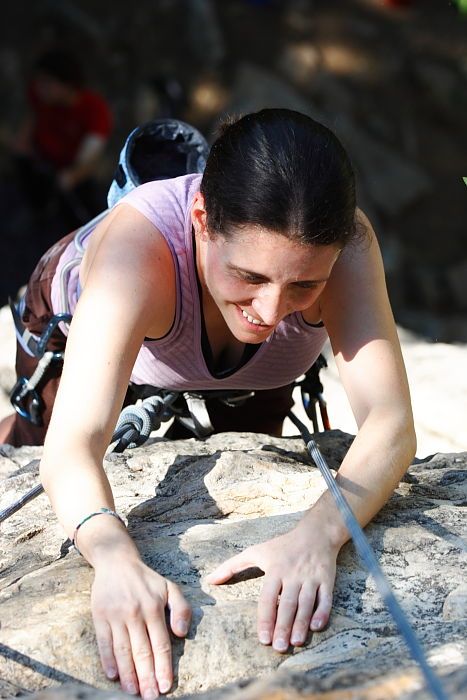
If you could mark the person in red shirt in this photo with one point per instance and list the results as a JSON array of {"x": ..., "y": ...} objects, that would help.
[{"x": 63, "y": 138}]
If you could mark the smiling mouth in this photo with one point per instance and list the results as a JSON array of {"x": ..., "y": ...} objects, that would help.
[{"x": 252, "y": 320}]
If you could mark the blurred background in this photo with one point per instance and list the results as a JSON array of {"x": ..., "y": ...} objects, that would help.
[{"x": 388, "y": 76}]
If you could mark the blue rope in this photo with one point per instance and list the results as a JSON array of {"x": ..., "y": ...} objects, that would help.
[{"x": 367, "y": 555}]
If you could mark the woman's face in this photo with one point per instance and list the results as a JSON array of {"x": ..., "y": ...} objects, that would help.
[{"x": 257, "y": 277}]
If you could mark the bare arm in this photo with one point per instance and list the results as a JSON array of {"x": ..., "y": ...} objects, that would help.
[
  {"x": 300, "y": 566},
  {"x": 120, "y": 302},
  {"x": 363, "y": 335},
  {"x": 115, "y": 310}
]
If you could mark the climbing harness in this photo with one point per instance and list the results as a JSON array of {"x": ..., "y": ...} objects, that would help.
[
  {"x": 367, "y": 555},
  {"x": 311, "y": 390},
  {"x": 24, "y": 396}
]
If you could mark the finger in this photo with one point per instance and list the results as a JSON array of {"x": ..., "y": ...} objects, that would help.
[
  {"x": 286, "y": 611},
  {"x": 105, "y": 646},
  {"x": 267, "y": 608},
  {"x": 180, "y": 611},
  {"x": 306, "y": 604},
  {"x": 161, "y": 649},
  {"x": 143, "y": 658},
  {"x": 124, "y": 658},
  {"x": 323, "y": 609},
  {"x": 230, "y": 567}
]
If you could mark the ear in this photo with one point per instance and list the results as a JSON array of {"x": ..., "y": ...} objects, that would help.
[{"x": 199, "y": 217}]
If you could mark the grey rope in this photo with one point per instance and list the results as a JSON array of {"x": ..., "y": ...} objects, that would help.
[
  {"x": 134, "y": 426},
  {"x": 137, "y": 422},
  {"x": 366, "y": 553}
]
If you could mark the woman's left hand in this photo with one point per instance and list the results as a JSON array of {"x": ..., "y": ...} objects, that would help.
[{"x": 300, "y": 569}]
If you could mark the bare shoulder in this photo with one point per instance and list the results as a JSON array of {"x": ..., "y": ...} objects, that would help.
[
  {"x": 355, "y": 304},
  {"x": 129, "y": 255},
  {"x": 128, "y": 233},
  {"x": 359, "y": 265},
  {"x": 359, "y": 320}
]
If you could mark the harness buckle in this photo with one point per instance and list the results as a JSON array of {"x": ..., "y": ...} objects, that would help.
[
  {"x": 47, "y": 334},
  {"x": 239, "y": 399},
  {"x": 24, "y": 396},
  {"x": 19, "y": 397}
]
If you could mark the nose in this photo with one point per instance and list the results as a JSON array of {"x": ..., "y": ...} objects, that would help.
[{"x": 270, "y": 305}]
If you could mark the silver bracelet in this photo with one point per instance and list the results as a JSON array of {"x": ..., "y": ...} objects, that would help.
[{"x": 101, "y": 511}]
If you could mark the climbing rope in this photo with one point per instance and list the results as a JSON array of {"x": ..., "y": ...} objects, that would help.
[
  {"x": 366, "y": 553},
  {"x": 134, "y": 426},
  {"x": 136, "y": 423}
]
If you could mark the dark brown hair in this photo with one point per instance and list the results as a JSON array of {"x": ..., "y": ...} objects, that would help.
[{"x": 285, "y": 172}]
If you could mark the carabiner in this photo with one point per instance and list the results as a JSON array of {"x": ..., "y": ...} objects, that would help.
[
  {"x": 45, "y": 337},
  {"x": 19, "y": 396}
]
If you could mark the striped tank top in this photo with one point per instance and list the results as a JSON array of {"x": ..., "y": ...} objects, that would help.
[{"x": 177, "y": 360}]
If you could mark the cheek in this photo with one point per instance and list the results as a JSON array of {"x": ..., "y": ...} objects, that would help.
[
  {"x": 302, "y": 299},
  {"x": 223, "y": 285},
  {"x": 235, "y": 290}
]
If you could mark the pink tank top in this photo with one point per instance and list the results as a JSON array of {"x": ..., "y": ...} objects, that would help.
[{"x": 176, "y": 361}]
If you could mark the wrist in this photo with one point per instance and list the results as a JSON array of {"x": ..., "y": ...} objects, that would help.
[
  {"x": 103, "y": 537},
  {"x": 94, "y": 514},
  {"x": 323, "y": 517},
  {"x": 113, "y": 551}
]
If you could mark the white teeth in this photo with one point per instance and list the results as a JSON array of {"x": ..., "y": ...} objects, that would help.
[{"x": 251, "y": 319}]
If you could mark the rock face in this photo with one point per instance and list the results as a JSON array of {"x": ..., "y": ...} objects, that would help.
[{"x": 192, "y": 504}]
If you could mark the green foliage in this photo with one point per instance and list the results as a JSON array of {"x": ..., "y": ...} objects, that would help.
[{"x": 465, "y": 180}]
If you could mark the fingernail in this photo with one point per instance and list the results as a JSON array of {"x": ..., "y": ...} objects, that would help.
[
  {"x": 150, "y": 694},
  {"x": 131, "y": 688},
  {"x": 182, "y": 626},
  {"x": 264, "y": 637},
  {"x": 296, "y": 641},
  {"x": 316, "y": 625},
  {"x": 111, "y": 672},
  {"x": 280, "y": 645},
  {"x": 164, "y": 685}
]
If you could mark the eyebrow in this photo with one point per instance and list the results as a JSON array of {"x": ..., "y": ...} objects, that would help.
[{"x": 263, "y": 277}]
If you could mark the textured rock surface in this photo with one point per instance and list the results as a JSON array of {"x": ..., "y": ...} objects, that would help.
[{"x": 192, "y": 504}]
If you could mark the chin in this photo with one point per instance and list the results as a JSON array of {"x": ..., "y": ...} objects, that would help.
[{"x": 250, "y": 338}]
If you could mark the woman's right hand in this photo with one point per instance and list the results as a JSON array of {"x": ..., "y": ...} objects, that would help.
[{"x": 128, "y": 601}]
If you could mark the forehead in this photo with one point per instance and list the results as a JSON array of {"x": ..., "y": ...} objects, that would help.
[{"x": 263, "y": 251}]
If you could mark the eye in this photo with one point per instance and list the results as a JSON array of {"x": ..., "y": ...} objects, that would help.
[
  {"x": 306, "y": 285},
  {"x": 251, "y": 279}
]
